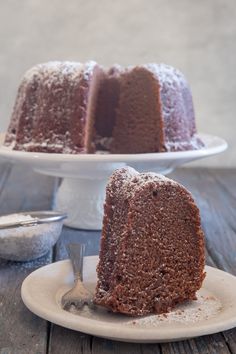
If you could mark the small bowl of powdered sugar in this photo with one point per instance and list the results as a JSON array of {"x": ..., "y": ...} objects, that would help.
[{"x": 29, "y": 235}]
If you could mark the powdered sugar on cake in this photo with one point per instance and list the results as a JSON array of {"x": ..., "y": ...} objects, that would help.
[
  {"x": 137, "y": 180},
  {"x": 177, "y": 108},
  {"x": 166, "y": 74},
  {"x": 56, "y": 71}
]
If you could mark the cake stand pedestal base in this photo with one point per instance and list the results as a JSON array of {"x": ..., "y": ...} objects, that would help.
[
  {"x": 82, "y": 196},
  {"x": 82, "y": 200}
]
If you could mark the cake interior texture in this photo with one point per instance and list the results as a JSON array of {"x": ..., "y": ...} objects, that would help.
[
  {"x": 152, "y": 246},
  {"x": 139, "y": 125},
  {"x": 69, "y": 107}
]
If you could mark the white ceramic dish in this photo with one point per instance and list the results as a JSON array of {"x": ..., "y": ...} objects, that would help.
[
  {"x": 28, "y": 242},
  {"x": 42, "y": 290},
  {"x": 82, "y": 192}
]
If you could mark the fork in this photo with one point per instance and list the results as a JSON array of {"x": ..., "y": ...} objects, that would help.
[{"x": 78, "y": 296}]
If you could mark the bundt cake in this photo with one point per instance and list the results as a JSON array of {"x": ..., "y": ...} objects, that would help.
[
  {"x": 152, "y": 246},
  {"x": 54, "y": 109},
  {"x": 67, "y": 107}
]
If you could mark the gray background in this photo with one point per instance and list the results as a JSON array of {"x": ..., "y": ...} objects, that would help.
[{"x": 198, "y": 37}]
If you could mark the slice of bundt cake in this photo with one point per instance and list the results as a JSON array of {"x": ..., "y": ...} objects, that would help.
[
  {"x": 152, "y": 246},
  {"x": 55, "y": 108}
]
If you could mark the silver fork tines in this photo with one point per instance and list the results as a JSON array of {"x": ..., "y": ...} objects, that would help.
[{"x": 78, "y": 296}]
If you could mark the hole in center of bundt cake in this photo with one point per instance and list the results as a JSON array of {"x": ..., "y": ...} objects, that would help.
[{"x": 107, "y": 102}]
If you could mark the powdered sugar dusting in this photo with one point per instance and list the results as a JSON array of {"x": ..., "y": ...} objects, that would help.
[
  {"x": 52, "y": 68},
  {"x": 88, "y": 68},
  {"x": 177, "y": 108},
  {"x": 56, "y": 71},
  {"x": 205, "y": 307},
  {"x": 172, "y": 83},
  {"x": 134, "y": 180},
  {"x": 14, "y": 218},
  {"x": 167, "y": 74},
  {"x": 194, "y": 144}
]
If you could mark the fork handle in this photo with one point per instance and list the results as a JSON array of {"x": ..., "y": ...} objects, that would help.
[{"x": 76, "y": 254}]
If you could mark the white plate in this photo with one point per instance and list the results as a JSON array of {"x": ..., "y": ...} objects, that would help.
[
  {"x": 69, "y": 165},
  {"x": 214, "y": 311}
]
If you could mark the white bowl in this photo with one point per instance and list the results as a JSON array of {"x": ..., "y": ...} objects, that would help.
[{"x": 25, "y": 243}]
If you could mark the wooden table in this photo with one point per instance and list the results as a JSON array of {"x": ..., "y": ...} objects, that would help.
[{"x": 22, "y": 332}]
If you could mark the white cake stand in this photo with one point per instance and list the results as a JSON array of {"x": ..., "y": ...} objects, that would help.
[{"x": 82, "y": 191}]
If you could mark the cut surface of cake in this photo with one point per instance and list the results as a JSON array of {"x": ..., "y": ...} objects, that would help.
[
  {"x": 69, "y": 107},
  {"x": 155, "y": 112},
  {"x": 152, "y": 246}
]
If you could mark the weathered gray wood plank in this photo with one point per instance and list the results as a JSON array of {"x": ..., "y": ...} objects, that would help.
[
  {"x": 26, "y": 190},
  {"x": 213, "y": 344},
  {"x": 230, "y": 337},
  {"x": 100, "y": 345},
  {"x": 5, "y": 169},
  {"x": 218, "y": 211},
  {"x": 227, "y": 179},
  {"x": 63, "y": 340},
  {"x": 20, "y": 330}
]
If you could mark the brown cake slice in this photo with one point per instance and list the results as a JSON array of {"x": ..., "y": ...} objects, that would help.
[{"x": 152, "y": 246}]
